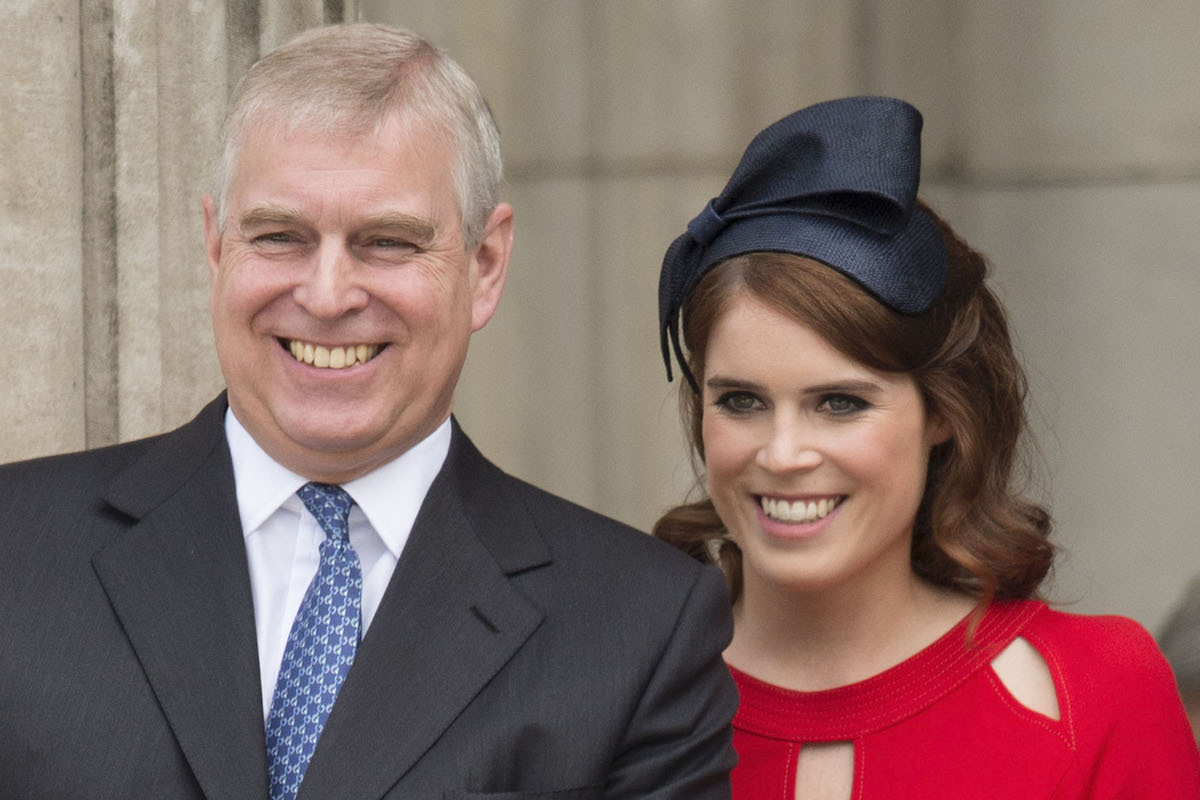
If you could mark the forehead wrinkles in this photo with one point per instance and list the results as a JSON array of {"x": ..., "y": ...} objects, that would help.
[
  {"x": 418, "y": 160},
  {"x": 430, "y": 136}
]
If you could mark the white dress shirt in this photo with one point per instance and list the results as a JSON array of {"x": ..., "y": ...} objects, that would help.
[{"x": 282, "y": 538}]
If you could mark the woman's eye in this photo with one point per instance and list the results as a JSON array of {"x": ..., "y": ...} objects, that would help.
[
  {"x": 738, "y": 402},
  {"x": 841, "y": 405}
]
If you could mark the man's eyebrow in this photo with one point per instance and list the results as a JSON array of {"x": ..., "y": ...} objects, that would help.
[
  {"x": 421, "y": 230},
  {"x": 267, "y": 215}
]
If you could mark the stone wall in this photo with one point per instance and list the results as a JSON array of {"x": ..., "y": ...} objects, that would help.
[
  {"x": 1062, "y": 138},
  {"x": 111, "y": 109}
]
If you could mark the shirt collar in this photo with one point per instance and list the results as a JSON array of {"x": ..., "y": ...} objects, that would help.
[{"x": 389, "y": 496}]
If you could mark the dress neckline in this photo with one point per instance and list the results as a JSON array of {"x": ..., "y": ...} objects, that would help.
[{"x": 857, "y": 709}]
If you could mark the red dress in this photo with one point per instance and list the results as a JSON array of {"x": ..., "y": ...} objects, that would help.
[{"x": 941, "y": 724}]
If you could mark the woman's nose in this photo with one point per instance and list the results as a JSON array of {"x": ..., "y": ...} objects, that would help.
[{"x": 791, "y": 446}]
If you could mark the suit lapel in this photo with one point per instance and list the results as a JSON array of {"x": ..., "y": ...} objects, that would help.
[
  {"x": 447, "y": 624},
  {"x": 179, "y": 584}
]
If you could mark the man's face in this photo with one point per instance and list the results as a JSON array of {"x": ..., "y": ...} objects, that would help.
[{"x": 342, "y": 295}]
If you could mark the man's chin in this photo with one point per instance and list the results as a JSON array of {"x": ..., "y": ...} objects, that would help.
[
  {"x": 313, "y": 439},
  {"x": 327, "y": 459},
  {"x": 332, "y": 438}
]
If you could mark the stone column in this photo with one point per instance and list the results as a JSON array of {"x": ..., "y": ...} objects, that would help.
[{"x": 111, "y": 113}]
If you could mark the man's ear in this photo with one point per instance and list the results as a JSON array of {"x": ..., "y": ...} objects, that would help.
[
  {"x": 212, "y": 238},
  {"x": 489, "y": 265}
]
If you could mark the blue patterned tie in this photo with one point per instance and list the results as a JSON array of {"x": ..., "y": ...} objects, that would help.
[{"x": 320, "y": 646}]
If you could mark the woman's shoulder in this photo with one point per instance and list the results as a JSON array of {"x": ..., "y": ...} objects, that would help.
[
  {"x": 1113, "y": 639},
  {"x": 1100, "y": 654},
  {"x": 1120, "y": 704}
]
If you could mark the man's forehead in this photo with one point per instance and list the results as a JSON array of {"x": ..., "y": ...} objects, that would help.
[
  {"x": 396, "y": 175},
  {"x": 420, "y": 153},
  {"x": 396, "y": 128}
]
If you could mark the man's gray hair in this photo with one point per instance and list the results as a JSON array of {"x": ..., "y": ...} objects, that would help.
[{"x": 350, "y": 79}]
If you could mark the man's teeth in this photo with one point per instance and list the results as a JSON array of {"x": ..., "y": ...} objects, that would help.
[
  {"x": 799, "y": 510},
  {"x": 332, "y": 357}
]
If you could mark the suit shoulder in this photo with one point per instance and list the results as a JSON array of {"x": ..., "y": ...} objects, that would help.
[
  {"x": 588, "y": 554},
  {"x": 593, "y": 546},
  {"x": 52, "y": 510},
  {"x": 566, "y": 525},
  {"x": 72, "y": 471}
]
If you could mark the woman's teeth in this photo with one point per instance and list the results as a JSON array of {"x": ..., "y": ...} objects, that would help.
[
  {"x": 799, "y": 510},
  {"x": 332, "y": 357}
]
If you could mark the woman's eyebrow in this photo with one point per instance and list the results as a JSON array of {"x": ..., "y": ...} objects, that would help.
[
  {"x": 719, "y": 382},
  {"x": 847, "y": 387}
]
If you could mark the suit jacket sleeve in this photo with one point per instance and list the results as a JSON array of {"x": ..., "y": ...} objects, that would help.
[{"x": 679, "y": 743}]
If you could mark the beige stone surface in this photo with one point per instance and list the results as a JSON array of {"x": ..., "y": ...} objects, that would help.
[
  {"x": 139, "y": 312},
  {"x": 1085, "y": 89},
  {"x": 1063, "y": 136},
  {"x": 530, "y": 59},
  {"x": 111, "y": 111},
  {"x": 1102, "y": 293},
  {"x": 643, "y": 444},
  {"x": 913, "y": 50},
  {"x": 40, "y": 230},
  {"x": 674, "y": 84},
  {"x": 592, "y": 415},
  {"x": 279, "y": 22},
  {"x": 526, "y": 390},
  {"x": 98, "y": 217},
  {"x": 190, "y": 113}
]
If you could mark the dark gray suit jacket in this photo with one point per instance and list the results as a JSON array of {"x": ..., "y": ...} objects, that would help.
[{"x": 524, "y": 648}]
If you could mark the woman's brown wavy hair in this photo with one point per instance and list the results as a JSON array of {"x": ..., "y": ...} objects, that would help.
[{"x": 973, "y": 531}]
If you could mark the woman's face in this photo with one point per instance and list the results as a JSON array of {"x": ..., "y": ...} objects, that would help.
[{"x": 815, "y": 463}]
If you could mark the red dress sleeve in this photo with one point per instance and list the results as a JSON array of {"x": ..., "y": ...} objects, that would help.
[{"x": 1120, "y": 703}]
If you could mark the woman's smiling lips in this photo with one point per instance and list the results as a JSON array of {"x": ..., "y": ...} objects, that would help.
[
  {"x": 801, "y": 511},
  {"x": 326, "y": 357}
]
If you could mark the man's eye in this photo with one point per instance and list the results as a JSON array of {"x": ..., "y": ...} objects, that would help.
[
  {"x": 387, "y": 248},
  {"x": 842, "y": 405},
  {"x": 738, "y": 402},
  {"x": 276, "y": 237},
  {"x": 388, "y": 243}
]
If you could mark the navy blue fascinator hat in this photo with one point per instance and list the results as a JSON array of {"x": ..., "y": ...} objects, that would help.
[{"x": 836, "y": 182}]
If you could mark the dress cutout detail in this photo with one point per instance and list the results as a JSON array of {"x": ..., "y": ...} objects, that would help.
[{"x": 942, "y": 724}]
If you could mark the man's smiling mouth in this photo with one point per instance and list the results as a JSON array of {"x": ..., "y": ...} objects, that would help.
[{"x": 323, "y": 357}]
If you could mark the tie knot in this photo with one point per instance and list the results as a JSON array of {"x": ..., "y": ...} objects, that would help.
[{"x": 330, "y": 504}]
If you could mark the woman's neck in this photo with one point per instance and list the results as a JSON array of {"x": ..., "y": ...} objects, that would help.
[{"x": 821, "y": 639}]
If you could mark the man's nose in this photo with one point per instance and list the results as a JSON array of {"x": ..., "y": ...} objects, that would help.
[
  {"x": 332, "y": 286},
  {"x": 792, "y": 445}
]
